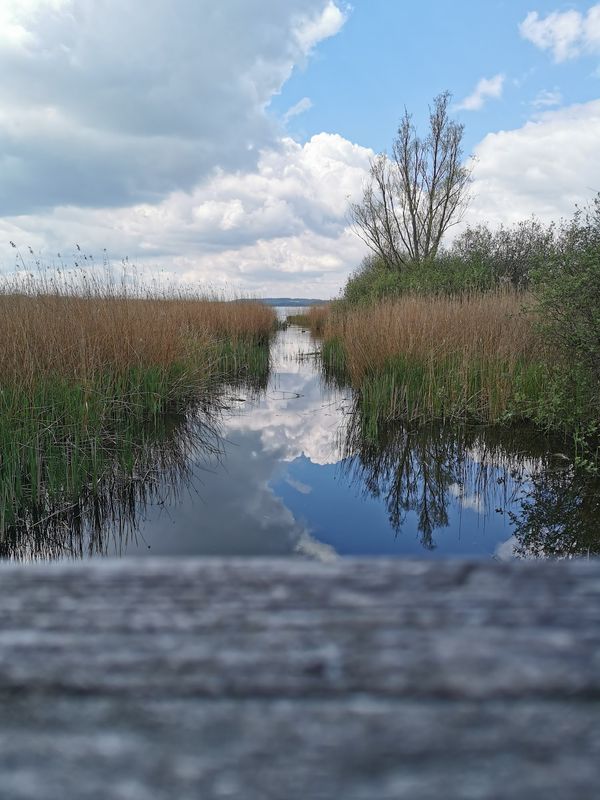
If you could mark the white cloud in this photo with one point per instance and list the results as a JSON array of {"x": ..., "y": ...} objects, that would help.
[
  {"x": 486, "y": 88},
  {"x": 299, "y": 108},
  {"x": 544, "y": 168},
  {"x": 265, "y": 230},
  {"x": 547, "y": 99},
  {"x": 507, "y": 551},
  {"x": 16, "y": 17},
  {"x": 313, "y": 29},
  {"x": 473, "y": 501},
  {"x": 567, "y": 34},
  {"x": 112, "y": 104},
  {"x": 300, "y": 487},
  {"x": 161, "y": 147},
  {"x": 312, "y": 548},
  {"x": 289, "y": 421}
]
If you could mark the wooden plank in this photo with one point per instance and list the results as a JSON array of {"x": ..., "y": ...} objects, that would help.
[{"x": 290, "y": 679}]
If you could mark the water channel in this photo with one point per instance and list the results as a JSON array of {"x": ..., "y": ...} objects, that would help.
[{"x": 287, "y": 473}]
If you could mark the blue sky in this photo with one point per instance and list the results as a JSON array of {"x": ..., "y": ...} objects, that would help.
[
  {"x": 220, "y": 143},
  {"x": 391, "y": 54}
]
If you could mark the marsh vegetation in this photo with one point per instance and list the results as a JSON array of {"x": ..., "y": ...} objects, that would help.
[
  {"x": 435, "y": 356},
  {"x": 498, "y": 325},
  {"x": 500, "y": 328},
  {"x": 287, "y": 462},
  {"x": 91, "y": 371}
]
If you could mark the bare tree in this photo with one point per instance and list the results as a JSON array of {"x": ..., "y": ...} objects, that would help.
[{"x": 414, "y": 196}]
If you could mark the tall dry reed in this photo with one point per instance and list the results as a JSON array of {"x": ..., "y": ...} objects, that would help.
[
  {"x": 78, "y": 336},
  {"x": 85, "y": 365},
  {"x": 314, "y": 319},
  {"x": 428, "y": 357}
]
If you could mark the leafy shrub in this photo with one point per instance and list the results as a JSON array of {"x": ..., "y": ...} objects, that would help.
[
  {"x": 478, "y": 260},
  {"x": 567, "y": 290},
  {"x": 447, "y": 274},
  {"x": 505, "y": 256}
]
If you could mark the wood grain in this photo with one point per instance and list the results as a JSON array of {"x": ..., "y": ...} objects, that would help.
[{"x": 289, "y": 679}]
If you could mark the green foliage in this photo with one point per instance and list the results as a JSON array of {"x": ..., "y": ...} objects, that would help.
[
  {"x": 372, "y": 281},
  {"x": 505, "y": 256},
  {"x": 559, "y": 514},
  {"x": 61, "y": 439},
  {"x": 447, "y": 274},
  {"x": 412, "y": 390},
  {"x": 567, "y": 289},
  {"x": 333, "y": 363},
  {"x": 243, "y": 363},
  {"x": 567, "y": 294},
  {"x": 478, "y": 260},
  {"x": 301, "y": 320}
]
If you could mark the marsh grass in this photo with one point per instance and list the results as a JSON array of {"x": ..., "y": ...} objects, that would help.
[
  {"x": 314, "y": 319},
  {"x": 476, "y": 357},
  {"x": 86, "y": 366}
]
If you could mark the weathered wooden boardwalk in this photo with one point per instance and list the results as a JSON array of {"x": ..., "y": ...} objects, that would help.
[{"x": 359, "y": 680}]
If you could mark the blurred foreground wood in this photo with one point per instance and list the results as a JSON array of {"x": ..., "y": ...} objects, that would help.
[{"x": 361, "y": 680}]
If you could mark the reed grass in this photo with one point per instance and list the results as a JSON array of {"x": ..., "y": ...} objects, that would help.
[
  {"x": 314, "y": 319},
  {"x": 420, "y": 358},
  {"x": 85, "y": 365}
]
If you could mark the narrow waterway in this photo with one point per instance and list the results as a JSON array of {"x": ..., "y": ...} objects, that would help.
[
  {"x": 292, "y": 479},
  {"x": 285, "y": 470}
]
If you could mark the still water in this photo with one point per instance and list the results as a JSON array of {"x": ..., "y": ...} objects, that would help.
[{"x": 287, "y": 472}]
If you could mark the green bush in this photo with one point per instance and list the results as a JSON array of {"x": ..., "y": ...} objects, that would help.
[
  {"x": 447, "y": 274},
  {"x": 505, "y": 256},
  {"x": 567, "y": 291},
  {"x": 478, "y": 260}
]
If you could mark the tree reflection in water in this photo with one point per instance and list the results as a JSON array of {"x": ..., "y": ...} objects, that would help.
[
  {"x": 560, "y": 515},
  {"x": 423, "y": 470}
]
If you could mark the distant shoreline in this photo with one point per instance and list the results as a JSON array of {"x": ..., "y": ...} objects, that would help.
[{"x": 291, "y": 301}]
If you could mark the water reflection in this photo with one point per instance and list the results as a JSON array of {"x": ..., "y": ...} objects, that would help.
[
  {"x": 558, "y": 515},
  {"x": 106, "y": 516},
  {"x": 284, "y": 468},
  {"x": 429, "y": 470}
]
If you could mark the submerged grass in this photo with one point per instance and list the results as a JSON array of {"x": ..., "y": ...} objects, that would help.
[{"x": 83, "y": 368}]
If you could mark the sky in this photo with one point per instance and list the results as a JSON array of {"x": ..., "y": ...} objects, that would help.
[{"x": 218, "y": 144}]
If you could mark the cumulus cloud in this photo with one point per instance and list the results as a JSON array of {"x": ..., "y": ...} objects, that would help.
[
  {"x": 313, "y": 30},
  {"x": 161, "y": 146},
  {"x": 318, "y": 551},
  {"x": 544, "y": 168},
  {"x": 111, "y": 104},
  {"x": 566, "y": 34},
  {"x": 487, "y": 88},
  {"x": 281, "y": 223}
]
